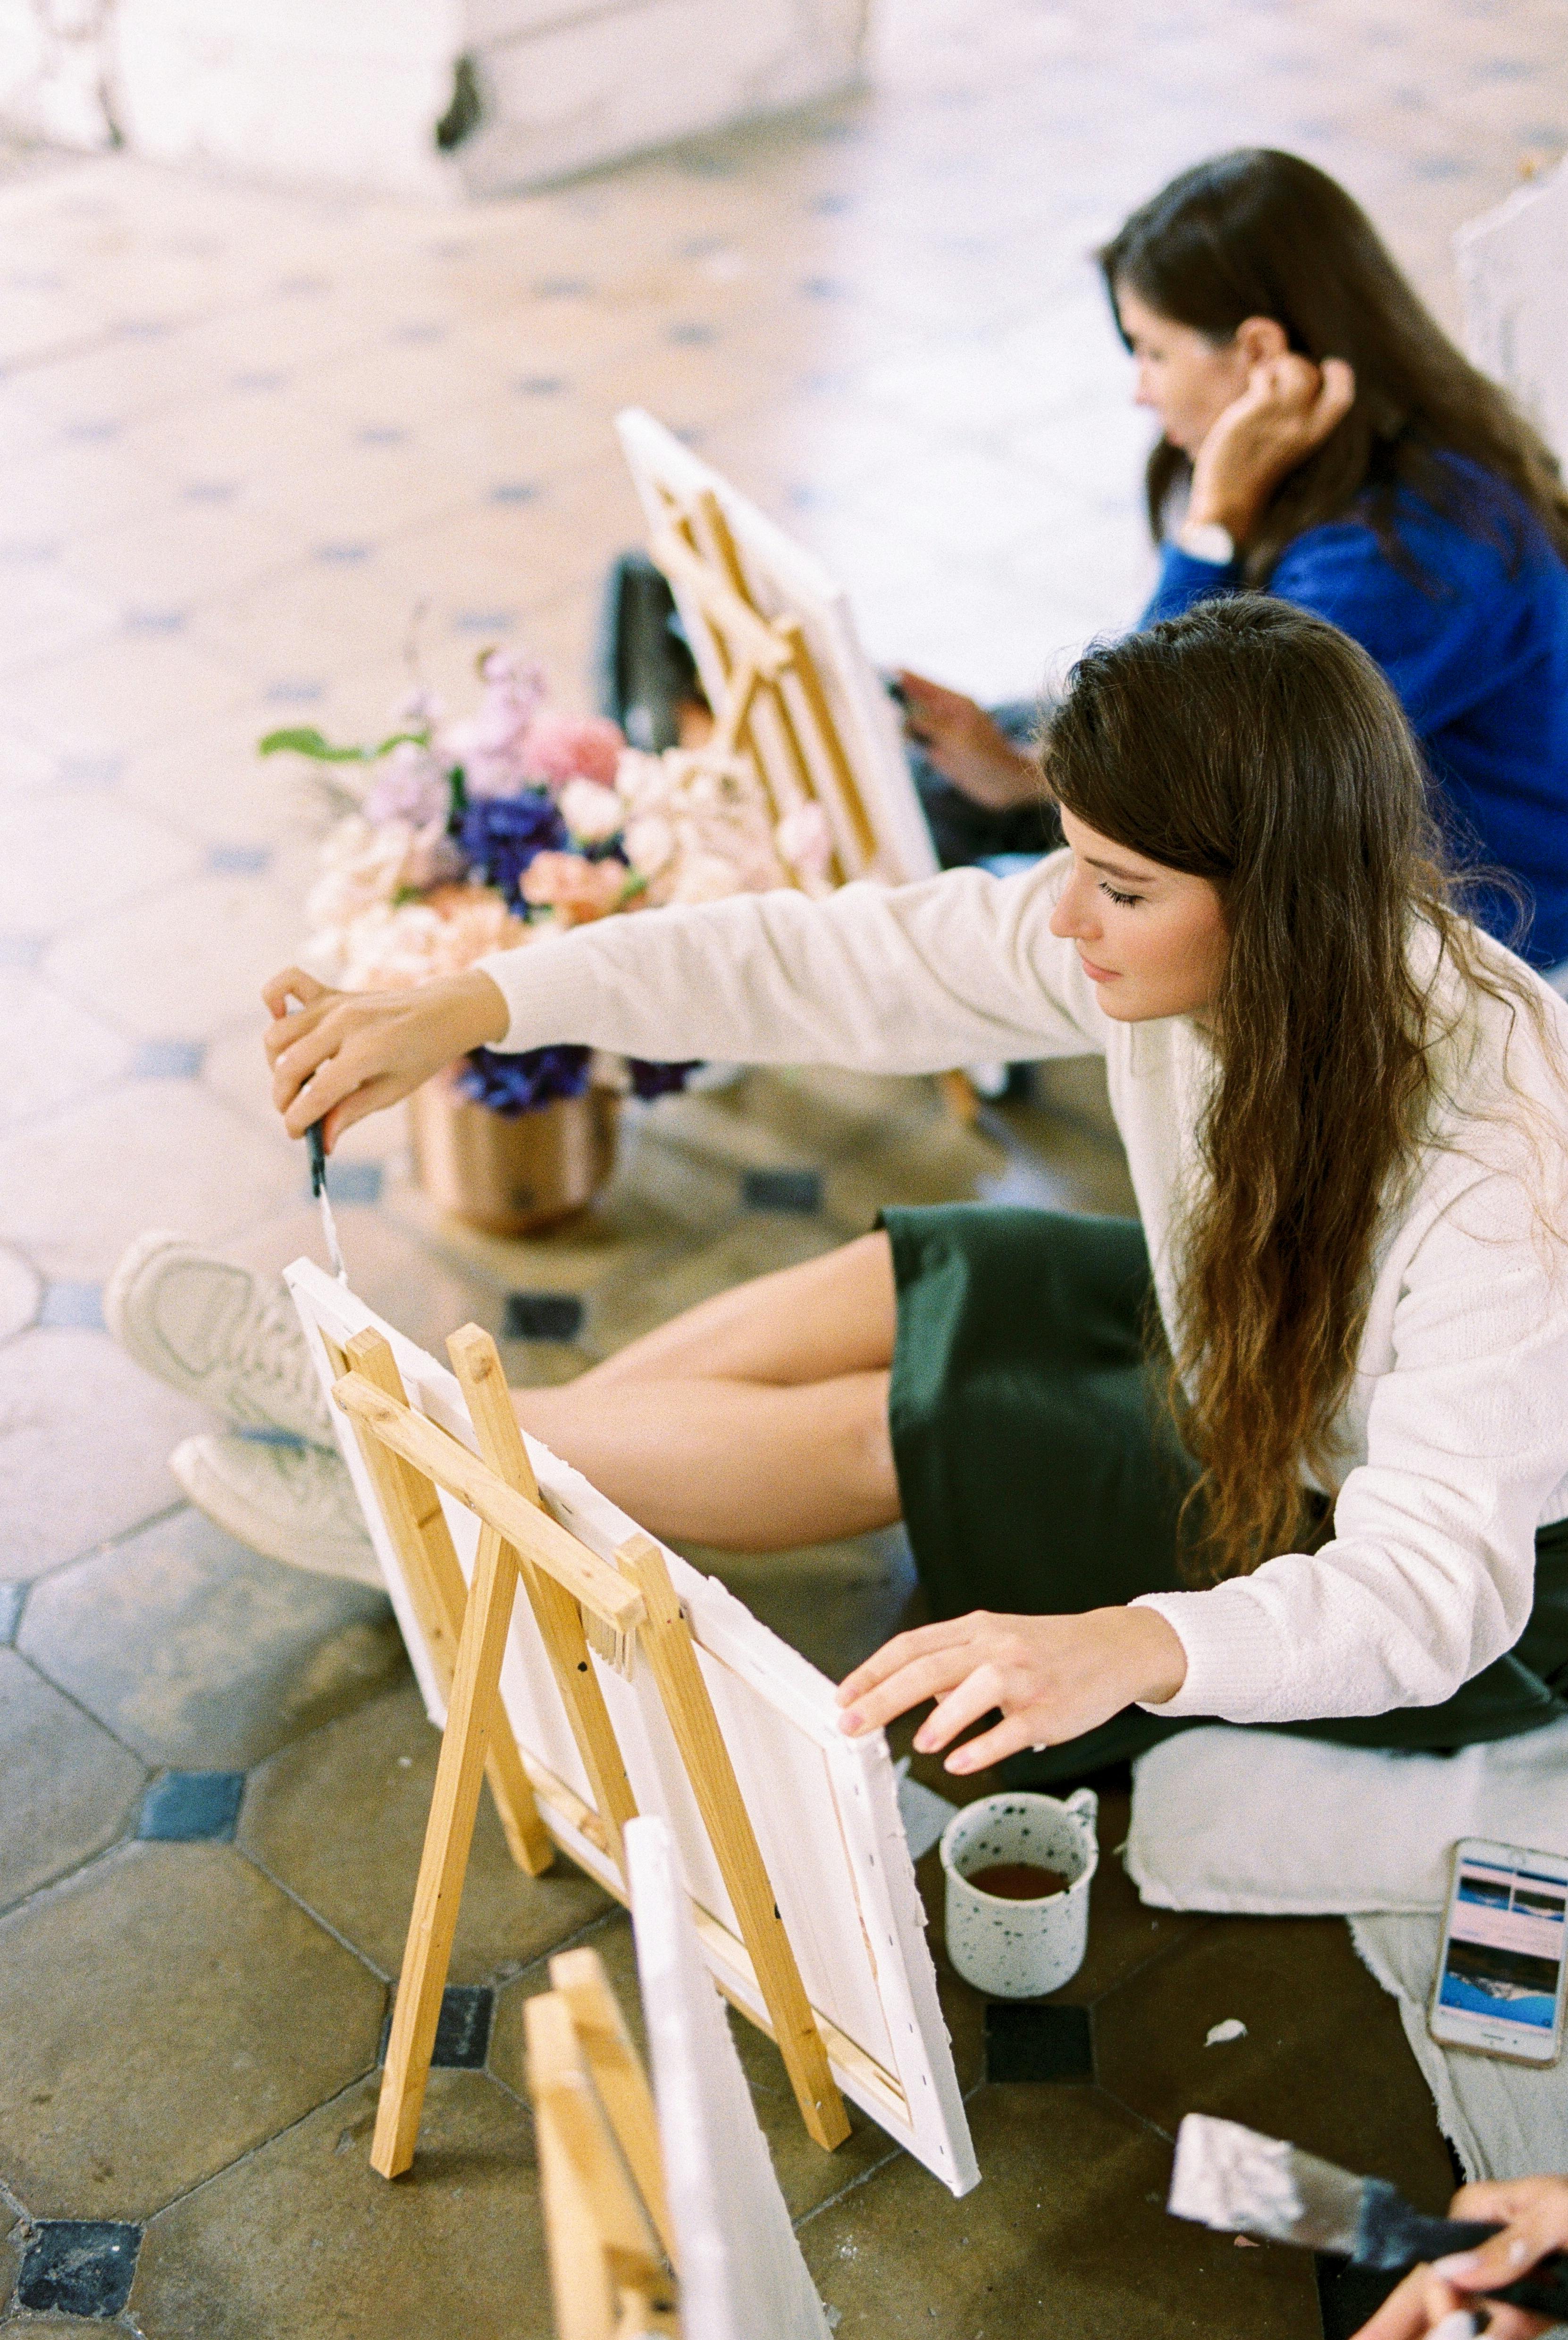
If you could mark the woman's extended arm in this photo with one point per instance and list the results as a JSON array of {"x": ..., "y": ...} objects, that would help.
[{"x": 962, "y": 969}]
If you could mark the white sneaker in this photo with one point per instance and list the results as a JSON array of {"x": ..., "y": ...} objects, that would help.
[
  {"x": 215, "y": 1332},
  {"x": 292, "y": 1503}
]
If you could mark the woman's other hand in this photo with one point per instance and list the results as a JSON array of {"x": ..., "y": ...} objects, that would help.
[
  {"x": 1052, "y": 1677},
  {"x": 966, "y": 747},
  {"x": 338, "y": 1055},
  {"x": 1286, "y": 411},
  {"x": 1533, "y": 2214}
]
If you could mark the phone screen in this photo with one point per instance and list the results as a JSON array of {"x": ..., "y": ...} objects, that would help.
[{"x": 1504, "y": 1958}]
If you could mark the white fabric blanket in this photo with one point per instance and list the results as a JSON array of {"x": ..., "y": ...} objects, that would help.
[{"x": 1260, "y": 1823}]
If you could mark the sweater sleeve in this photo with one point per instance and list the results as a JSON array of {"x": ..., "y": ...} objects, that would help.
[
  {"x": 1444, "y": 640},
  {"x": 1184, "y": 582},
  {"x": 960, "y": 970},
  {"x": 1430, "y": 1574}
]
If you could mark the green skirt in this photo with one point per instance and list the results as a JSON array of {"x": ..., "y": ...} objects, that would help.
[{"x": 1040, "y": 1472}]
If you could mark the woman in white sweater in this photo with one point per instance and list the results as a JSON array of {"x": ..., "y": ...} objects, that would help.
[{"x": 1315, "y": 1500}]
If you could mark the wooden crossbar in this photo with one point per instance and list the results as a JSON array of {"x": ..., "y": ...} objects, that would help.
[
  {"x": 773, "y": 708},
  {"x": 570, "y": 1590}
]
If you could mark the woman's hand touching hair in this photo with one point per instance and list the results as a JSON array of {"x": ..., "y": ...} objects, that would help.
[
  {"x": 338, "y": 1055},
  {"x": 1533, "y": 2213},
  {"x": 1052, "y": 1677},
  {"x": 1283, "y": 415}
]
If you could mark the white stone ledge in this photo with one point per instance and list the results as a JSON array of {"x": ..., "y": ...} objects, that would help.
[{"x": 350, "y": 92}]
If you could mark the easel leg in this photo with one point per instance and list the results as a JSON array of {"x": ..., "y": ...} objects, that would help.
[
  {"x": 412, "y": 1511},
  {"x": 448, "y": 1835},
  {"x": 667, "y": 1643}
]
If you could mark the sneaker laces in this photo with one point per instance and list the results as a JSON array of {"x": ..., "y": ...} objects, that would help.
[{"x": 264, "y": 1345}]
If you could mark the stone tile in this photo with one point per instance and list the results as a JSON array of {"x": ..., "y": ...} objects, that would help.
[
  {"x": 61, "y": 1491},
  {"x": 339, "y": 1820},
  {"x": 1325, "y": 2061},
  {"x": 423, "y": 1294},
  {"x": 232, "y": 2013},
  {"x": 941, "y": 1162},
  {"x": 185, "y": 962},
  {"x": 202, "y": 1655},
  {"x": 180, "y": 1159},
  {"x": 1066, "y": 2234},
  {"x": 55, "y": 1051},
  {"x": 632, "y": 1304},
  {"x": 48, "y": 882},
  {"x": 19, "y": 1294},
  {"x": 304, "y": 2234},
  {"x": 70, "y": 1789}
]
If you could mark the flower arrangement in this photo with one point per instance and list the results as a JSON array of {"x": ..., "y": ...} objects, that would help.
[{"x": 451, "y": 839}]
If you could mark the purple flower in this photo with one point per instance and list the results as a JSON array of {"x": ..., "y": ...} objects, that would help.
[
  {"x": 649, "y": 1081},
  {"x": 500, "y": 835},
  {"x": 410, "y": 786},
  {"x": 512, "y": 1085}
]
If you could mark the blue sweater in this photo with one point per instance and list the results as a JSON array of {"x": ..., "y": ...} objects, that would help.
[{"x": 1479, "y": 658}]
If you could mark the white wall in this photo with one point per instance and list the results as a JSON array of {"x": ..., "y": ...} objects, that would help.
[{"x": 350, "y": 90}]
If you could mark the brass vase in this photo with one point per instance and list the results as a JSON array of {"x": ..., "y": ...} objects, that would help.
[{"x": 511, "y": 1176}]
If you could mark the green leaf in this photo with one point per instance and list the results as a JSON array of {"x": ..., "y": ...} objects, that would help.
[{"x": 320, "y": 750}]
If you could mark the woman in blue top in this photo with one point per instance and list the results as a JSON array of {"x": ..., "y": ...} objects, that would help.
[{"x": 1325, "y": 442}]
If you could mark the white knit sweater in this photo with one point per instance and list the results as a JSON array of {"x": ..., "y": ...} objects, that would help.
[{"x": 1456, "y": 1432}]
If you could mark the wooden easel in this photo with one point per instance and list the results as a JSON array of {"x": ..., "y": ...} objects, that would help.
[
  {"x": 601, "y": 2171},
  {"x": 579, "y": 1602},
  {"x": 772, "y": 712}
]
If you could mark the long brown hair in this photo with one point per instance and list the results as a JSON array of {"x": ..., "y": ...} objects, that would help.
[
  {"x": 1256, "y": 745},
  {"x": 1260, "y": 233}
]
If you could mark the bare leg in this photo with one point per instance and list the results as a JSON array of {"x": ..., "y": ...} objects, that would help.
[{"x": 755, "y": 1420}]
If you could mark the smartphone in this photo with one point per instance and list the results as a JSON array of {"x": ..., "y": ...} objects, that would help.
[{"x": 1501, "y": 1977}]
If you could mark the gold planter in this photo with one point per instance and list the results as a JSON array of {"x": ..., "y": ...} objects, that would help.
[{"x": 511, "y": 1176}]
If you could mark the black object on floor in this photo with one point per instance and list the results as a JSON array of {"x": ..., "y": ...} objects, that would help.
[
  {"x": 79, "y": 2266},
  {"x": 646, "y": 668},
  {"x": 462, "y": 2029},
  {"x": 1024, "y": 2041},
  {"x": 542, "y": 1316},
  {"x": 193, "y": 1806},
  {"x": 799, "y": 1190},
  {"x": 1348, "y": 2295}
]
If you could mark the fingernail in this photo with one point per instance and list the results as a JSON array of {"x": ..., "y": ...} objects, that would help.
[
  {"x": 849, "y": 1722},
  {"x": 1462, "y": 2263},
  {"x": 958, "y": 1763}
]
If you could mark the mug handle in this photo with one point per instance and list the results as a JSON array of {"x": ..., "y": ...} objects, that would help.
[{"x": 1085, "y": 1804}]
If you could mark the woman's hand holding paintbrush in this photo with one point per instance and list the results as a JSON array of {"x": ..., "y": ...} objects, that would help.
[
  {"x": 338, "y": 1056},
  {"x": 1446, "y": 2298}
]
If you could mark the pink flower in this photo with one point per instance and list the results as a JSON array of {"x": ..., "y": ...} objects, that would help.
[
  {"x": 648, "y": 844},
  {"x": 804, "y": 841},
  {"x": 592, "y": 812},
  {"x": 561, "y": 748},
  {"x": 576, "y": 891}
]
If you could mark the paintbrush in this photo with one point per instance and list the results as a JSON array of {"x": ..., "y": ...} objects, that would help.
[
  {"x": 1230, "y": 2178},
  {"x": 318, "y": 1145}
]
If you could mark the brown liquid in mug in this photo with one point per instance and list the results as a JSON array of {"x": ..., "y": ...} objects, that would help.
[{"x": 1017, "y": 1880}]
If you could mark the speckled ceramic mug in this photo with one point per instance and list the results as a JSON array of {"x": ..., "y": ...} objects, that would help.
[{"x": 1020, "y": 1949}]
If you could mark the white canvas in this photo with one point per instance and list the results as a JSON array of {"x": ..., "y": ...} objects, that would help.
[
  {"x": 1514, "y": 267},
  {"x": 824, "y": 1808},
  {"x": 741, "y": 2268},
  {"x": 781, "y": 576}
]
